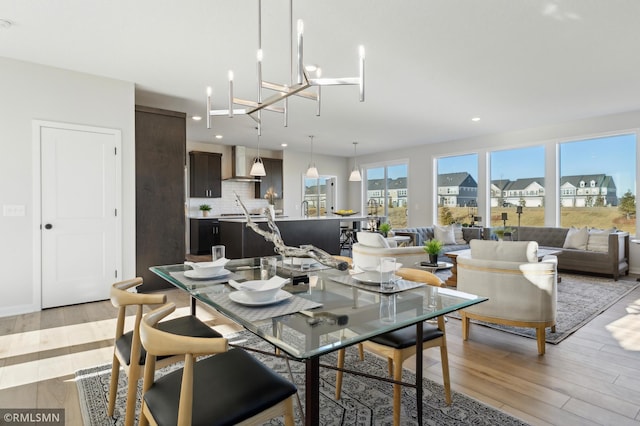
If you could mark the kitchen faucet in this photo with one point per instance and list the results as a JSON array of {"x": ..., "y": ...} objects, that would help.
[{"x": 304, "y": 207}]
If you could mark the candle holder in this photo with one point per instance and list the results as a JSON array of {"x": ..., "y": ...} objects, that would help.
[
  {"x": 519, "y": 213},
  {"x": 504, "y": 220}
]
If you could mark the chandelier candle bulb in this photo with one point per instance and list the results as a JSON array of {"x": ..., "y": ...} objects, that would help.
[
  {"x": 300, "y": 53},
  {"x": 209, "y": 90},
  {"x": 361, "y": 52},
  {"x": 259, "y": 57},
  {"x": 230, "y": 94}
]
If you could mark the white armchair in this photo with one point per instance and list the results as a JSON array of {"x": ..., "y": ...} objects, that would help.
[
  {"x": 372, "y": 246},
  {"x": 522, "y": 291}
]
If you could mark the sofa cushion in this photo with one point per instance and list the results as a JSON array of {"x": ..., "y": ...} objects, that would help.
[
  {"x": 372, "y": 239},
  {"x": 444, "y": 234},
  {"x": 509, "y": 251},
  {"x": 576, "y": 238},
  {"x": 457, "y": 233},
  {"x": 598, "y": 240}
]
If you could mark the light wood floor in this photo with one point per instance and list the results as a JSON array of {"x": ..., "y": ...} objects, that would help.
[{"x": 592, "y": 378}]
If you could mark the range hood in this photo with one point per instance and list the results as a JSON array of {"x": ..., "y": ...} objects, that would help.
[{"x": 239, "y": 163}]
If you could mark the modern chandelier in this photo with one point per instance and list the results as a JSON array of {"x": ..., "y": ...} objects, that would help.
[{"x": 300, "y": 82}]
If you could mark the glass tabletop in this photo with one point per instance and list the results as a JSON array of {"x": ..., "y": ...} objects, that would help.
[{"x": 325, "y": 309}]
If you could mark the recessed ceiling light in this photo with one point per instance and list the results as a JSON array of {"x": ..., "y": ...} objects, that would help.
[
  {"x": 218, "y": 136},
  {"x": 5, "y": 24},
  {"x": 284, "y": 145},
  {"x": 475, "y": 119},
  {"x": 196, "y": 118}
]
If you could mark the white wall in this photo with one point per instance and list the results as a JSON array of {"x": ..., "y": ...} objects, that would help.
[
  {"x": 34, "y": 92},
  {"x": 295, "y": 166},
  {"x": 421, "y": 179}
]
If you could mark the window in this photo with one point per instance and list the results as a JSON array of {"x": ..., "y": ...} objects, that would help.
[
  {"x": 517, "y": 179},
  {"x": 457, "y": 189},
  {"x": 387, "y": 193},
  {"x": 597, "y": 181},
  {"x": 319, "y": 195}
]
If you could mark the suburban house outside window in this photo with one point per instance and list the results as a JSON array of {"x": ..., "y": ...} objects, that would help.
[
  {"x": 387, "y": 193},
  {"x": 597, "y": 181},
  {"x": 457, "y": 189},
  {"x": 517, "y": 179}
]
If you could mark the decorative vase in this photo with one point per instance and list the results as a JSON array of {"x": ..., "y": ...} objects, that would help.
[
  {"x": 205, "y": 213},
  {"x": 433, "y": 259}
]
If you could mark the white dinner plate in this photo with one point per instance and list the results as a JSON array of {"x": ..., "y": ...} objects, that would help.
[
  {"x": 192, "y": 274},
  {"x": 242, "y": 298},
  {"x": 370, "y": 277}
]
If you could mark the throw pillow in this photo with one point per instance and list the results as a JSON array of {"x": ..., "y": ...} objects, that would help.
[
  {"x": 598, "y": 240},
  {"x": 444, "y": 234},
  {"x": 372, "y": 239},
  {"x": 457, "y": 233},
  {"x": 576, "y": 238}
]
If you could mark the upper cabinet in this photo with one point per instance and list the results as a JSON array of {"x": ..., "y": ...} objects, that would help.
[
  {"x": 273, "y": 168},
  {"x": 205, "y": 178}
]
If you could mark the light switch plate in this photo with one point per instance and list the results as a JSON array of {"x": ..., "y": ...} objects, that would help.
[{"x": 14, "y": 210}]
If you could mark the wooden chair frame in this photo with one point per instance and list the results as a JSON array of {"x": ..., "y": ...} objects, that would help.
[
  {"x": 396, "y": 357},
  {"x": 158, "y": 342}
]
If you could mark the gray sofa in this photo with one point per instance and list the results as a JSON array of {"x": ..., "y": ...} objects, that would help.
[
  {"x": 614, "y": 262},
  {"x": 422, "y": 234}
]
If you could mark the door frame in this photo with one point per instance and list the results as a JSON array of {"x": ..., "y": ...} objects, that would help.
[{"x": 37, "y": 126}]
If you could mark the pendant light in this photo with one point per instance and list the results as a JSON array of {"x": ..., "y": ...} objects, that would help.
[
  {"x": 355, "y": 173},
  {"x": 257, "y": 169},
  {"x": 312, "y": 171}
]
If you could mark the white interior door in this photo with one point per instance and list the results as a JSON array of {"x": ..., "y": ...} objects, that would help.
[{"x": 80, "y": 223}]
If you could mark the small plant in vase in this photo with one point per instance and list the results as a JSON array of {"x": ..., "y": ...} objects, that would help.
[
  {"x": 385, "y": 228},
  {"x": 433, "y": 248},
  {"x": 205, "y": 209},
  {"x": 502, "y": 231}
]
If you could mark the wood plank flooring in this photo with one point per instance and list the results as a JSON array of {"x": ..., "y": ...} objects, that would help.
[{"x": 591, "y": 378}]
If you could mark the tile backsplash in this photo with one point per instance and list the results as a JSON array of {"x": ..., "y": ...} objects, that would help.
[{"x": 227, "y": 203}]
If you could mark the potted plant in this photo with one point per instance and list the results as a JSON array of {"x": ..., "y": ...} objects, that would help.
[
  {"x": 433, "y": 248},
  {"x": 205, "y": 209},
  {"x": 500, "y": 232},
  {"x": 384, "y": 229}
]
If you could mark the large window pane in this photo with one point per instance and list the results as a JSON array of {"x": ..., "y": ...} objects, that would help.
[
  {"x": 387, "y": 193},
  {"x": 517, "y": 180},
  {"x": 457, "y": 189},
  {"x": 597, "y": 183}
]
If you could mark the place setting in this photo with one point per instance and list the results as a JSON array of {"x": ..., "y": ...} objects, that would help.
[{"x": 381, "y": 278}]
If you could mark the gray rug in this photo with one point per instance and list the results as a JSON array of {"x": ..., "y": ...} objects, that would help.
[
  {"x": 580, "y": 299},
  {"x": 364, "y": 401}
]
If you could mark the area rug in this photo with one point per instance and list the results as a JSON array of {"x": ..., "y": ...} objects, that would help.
[
  {"x": 364, "y": 401},
  {"x": 580, "y": 299}
]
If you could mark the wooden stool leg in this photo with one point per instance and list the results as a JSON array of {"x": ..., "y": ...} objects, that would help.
[{"x": 339, "y": 373}]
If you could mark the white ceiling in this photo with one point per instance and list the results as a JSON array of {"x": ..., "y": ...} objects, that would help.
[{"x": 430, "y": 65}]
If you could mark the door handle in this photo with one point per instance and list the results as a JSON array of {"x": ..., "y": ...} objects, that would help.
[{"x": 48, "y": 226}]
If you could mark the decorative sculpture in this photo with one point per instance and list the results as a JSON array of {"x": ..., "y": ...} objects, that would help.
[{"x": 273, "y": 235}]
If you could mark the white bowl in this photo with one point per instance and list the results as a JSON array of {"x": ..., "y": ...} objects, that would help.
[
  {"x": 261, "y": 290},
  {"x": 208, "y": 269}
]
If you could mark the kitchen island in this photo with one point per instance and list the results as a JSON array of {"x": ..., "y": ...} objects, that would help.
[{"x": 322, "y": 232}]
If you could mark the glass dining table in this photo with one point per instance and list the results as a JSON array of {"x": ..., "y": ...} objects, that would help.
[{"x": 319, "y": 311}]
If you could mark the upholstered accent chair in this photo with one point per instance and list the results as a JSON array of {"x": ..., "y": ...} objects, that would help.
[
  {"x": 228, "y": 388},
  {"x": 371, "y": 246},
  {"x": 399, "y": 345},
  {"x": 128, "y": 351},
  {"x": 522, "y": 290}
]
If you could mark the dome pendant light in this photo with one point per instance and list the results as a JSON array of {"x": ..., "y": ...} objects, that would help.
[
  {"x": 257, "y": 169},
  {"x": 355, "y": 173},
  {"x": 312, "y": 171}
]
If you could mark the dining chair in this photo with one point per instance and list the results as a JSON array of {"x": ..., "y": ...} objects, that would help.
[
  {"x": 231, "y": 387},
  {"x": 128, "y": 348},
  {"x": 398, "y": 345}
]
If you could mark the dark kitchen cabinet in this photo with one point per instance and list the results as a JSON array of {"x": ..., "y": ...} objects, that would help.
[
  {"x": 273, "y": 168},
  {"x": 160, "y": 150},
  {"x": 204, "y": 233},
  {"x": 205, "y": 176}
]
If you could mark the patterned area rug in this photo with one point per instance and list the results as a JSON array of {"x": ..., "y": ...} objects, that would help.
[
  {"x": 580, "y": 299},
  {"x": 364, "y": 401}
]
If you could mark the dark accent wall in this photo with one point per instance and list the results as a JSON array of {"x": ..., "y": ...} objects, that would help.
[{"x": 160, "y": 192}]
